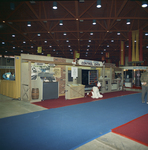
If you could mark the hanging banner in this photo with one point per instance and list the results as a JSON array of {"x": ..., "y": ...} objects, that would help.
[
  {"x": 140, "y": 40},
  {"x": 136, "y": 43},
  {"x": 76, "y": 54},
  {"x": 103, "y": 58},
  {"x": 129, "y": 50},
  {"x": 39, "y": 50},
  {"x": 107, "y": 55},
  {"x": 122, "y": 51}
]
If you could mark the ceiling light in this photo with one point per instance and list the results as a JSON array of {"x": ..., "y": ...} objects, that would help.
[
  {"x": 54, "y": 5},
  {"x": 146, "y": 46},
  {"x": 98, "y": 4},
  {"x": 61, "y": 22},
  {"x": 29, "y": 24},
  {"x": 64, "y": 33},
  {"x": 45, "y": 41},
  {"x": 118, "y": 33},
  {"x": 3, "y": 42},
  {"x": 128, "y": 21},
  {"x": 91, "y": 33},
  {"x": 13, "y": 47},
  {"x": 38, "y": 34},
  {"x": 53, "y": 49},
  {"x": 108, "y": 45},
  {"x": 104, "y": 49},
  {"x": 146, "y": 34},
  {"x": 50, "y": 46},
  {"x": 13, "y": 35},
  {"x": 67, "y": 40},
  {"x": 24, "y": 41},
  {"x": 31, "y": 46},
  {"x": 21, "y": 50},
  {"x": 94, "y": 22},
  {"x": 88, "y": 45},
  {"x": 144, "y": 4},
  {"x": 89, "y": 40},
  {"x": 112, "y": 40}
]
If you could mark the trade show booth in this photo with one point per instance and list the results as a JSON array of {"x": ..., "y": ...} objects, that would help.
[{"x": 40, "y": 78}]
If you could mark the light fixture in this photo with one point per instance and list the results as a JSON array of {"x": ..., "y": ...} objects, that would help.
[
  {"x": 31, "y": 46},
  {"x": 89, "y": 40},
  {"x": 112, "y": 40},
  {"x": 88, "y": 45},
  {"x": 87, "y": 49},
  {"x": 24, "y": 42},
  {"x": 94, "y": 22},
  {"x": 67, "y": 40},
  {"x": 53, "y": 49},
  {"x": 98, "y": 4},
  {"x": 45, "y": 41},
  {"x": 147, "y": 46},
  {"x": 38, "y": 34},
  {"x": 29, "y": 24},
  {"x": 50, "y": 46},
  {"x": 13, "y": 47},
  {"x": 21, "y": 50},
  {"x": 64, "y": 33},
  {"x": 107, "y": 45},
  {"x": 144, "y": 4},
  {"x": 101, "y": 52},
  {"x": 104, "y": 49},
  {"x": 13, "y": 35},
  {"x": 3, "y": 42},
  {"x": 69, "y": 45},
  {"x": 91, "y": 33},
  {"x": 128, "y": 21},
  {"x": 146, "y": 34},
  {"x": 61, "y": 22},
  {"x": 118, "y": 33},
  {"x": 70, "y": 49},
  {"x": 54, "y": 5}
]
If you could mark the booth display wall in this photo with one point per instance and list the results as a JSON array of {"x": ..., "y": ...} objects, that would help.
[{"x": 12, "y": 88}]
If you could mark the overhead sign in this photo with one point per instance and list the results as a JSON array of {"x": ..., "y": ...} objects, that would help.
[{"x": 90, "y": 63}]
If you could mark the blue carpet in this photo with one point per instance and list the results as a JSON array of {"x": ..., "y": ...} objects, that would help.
[{"x": 67, "y": 127}]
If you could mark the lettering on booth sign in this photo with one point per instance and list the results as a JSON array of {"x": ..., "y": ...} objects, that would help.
[{"x": 90, "y": 63}]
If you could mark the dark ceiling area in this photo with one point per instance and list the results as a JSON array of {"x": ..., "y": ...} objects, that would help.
[{"x": 91, "y": 41}]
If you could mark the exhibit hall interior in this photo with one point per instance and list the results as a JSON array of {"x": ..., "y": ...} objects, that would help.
[{"x": 71, "y": 75}]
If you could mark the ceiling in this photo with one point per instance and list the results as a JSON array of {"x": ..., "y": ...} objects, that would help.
[{"x": 77, "y": 17}]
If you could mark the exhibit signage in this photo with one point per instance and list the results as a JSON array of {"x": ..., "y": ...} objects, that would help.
[
  {"x": 74, "y": 72},
  {"x": 90, "y": 63}
]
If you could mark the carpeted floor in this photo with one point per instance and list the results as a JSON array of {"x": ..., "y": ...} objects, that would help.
[
  {"x": 67, "y": 127},
  {"x": 61, "y": 102},
  {"x": 135, "y": 130}
]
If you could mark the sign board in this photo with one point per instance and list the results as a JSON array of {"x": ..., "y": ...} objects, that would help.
[{"x": 90, "y": 63}]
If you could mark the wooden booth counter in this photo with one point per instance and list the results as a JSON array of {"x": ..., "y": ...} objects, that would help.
[{"x": 74, "y": 91}]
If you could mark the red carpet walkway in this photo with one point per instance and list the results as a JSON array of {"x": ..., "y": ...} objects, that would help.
[
  {"x": 136, "y": 130},
  {"x": 61, "y": 102}
]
